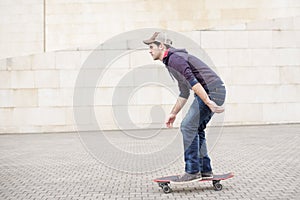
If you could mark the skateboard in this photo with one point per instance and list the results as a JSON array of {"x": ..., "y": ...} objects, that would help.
[{"x": 164, "y": 182}]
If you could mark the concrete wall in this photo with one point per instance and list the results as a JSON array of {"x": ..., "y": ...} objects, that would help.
[
  {"x": 254, "y": 45},
  {"x": 21, "y": 27},
  {"x": 259, "y": 61},
  {"x": 34, "y": 26}
]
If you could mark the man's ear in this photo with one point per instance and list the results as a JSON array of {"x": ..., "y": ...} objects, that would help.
[{"x": 161, "y": 46}]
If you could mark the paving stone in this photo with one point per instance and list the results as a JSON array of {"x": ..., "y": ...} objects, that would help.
[{"x": 265, "y": 160}]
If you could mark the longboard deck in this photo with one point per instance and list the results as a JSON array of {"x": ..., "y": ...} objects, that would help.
[
  {"x": 217, "y": 177},
  {"x": 164, "y": 182}
]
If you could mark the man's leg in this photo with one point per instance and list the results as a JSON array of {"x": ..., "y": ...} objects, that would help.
[
  {"x": 204, "y": 160},
  {"x": 189, "y": 128},
  {"x": 205, "y": 163}
]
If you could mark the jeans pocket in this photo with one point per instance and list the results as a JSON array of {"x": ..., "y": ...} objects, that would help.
[{"x": 218, "y": 95}]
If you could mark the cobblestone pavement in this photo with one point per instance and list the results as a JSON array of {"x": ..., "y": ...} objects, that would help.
[{"x": 265, "y": 160}]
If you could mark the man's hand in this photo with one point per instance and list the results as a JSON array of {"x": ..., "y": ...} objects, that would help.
[
  {"x": 199, "y": 90},
  {"x": 214, "y": 107},
  {"x": 170, "y": 120},
  {"x": 177, "y": 107}
]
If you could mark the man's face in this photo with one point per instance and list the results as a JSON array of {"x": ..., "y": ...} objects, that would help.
[{"x": 155, "y": 51}]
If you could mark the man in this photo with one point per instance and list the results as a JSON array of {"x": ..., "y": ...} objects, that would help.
[{"x": 191, "y": 73}]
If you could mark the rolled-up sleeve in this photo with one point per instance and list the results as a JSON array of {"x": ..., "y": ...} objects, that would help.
[{"x": 184, "y": 90}]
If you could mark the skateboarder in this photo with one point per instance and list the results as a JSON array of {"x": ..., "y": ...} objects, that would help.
[{"x": 209, "y": 92}]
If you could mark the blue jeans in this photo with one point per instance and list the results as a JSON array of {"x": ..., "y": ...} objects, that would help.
[{"x": 192, "y": 128}]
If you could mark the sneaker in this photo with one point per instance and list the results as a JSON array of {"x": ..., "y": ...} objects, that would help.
[
  {"x": 207, "y": 175},
  {"x": 187, "y": 178}
]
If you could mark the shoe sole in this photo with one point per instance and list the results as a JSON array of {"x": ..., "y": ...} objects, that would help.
[
  {"x": 185, "y": 182},
  {"x": 204, "y": 178}
]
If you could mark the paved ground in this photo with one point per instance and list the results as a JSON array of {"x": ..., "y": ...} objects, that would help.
[{"x": 265, "y": 160}]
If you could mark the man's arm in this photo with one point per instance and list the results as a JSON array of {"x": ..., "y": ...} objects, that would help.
[
  {"x": 179, "y": 105},
  {"x": 176, "y": 109},
  {"x": 199, "y": 90}
]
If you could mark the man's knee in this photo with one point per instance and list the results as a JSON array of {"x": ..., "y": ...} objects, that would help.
[
  {"x": 187, "y": 126},
  {"x": 183, "y": 126}
]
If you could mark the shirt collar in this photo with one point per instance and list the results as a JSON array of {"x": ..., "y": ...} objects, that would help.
[{"x": 166, "y": 53}]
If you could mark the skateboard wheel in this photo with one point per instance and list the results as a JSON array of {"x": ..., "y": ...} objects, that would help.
[
  {"x": 166, "y": 189},
  {"x": 218, "y": 186}
]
